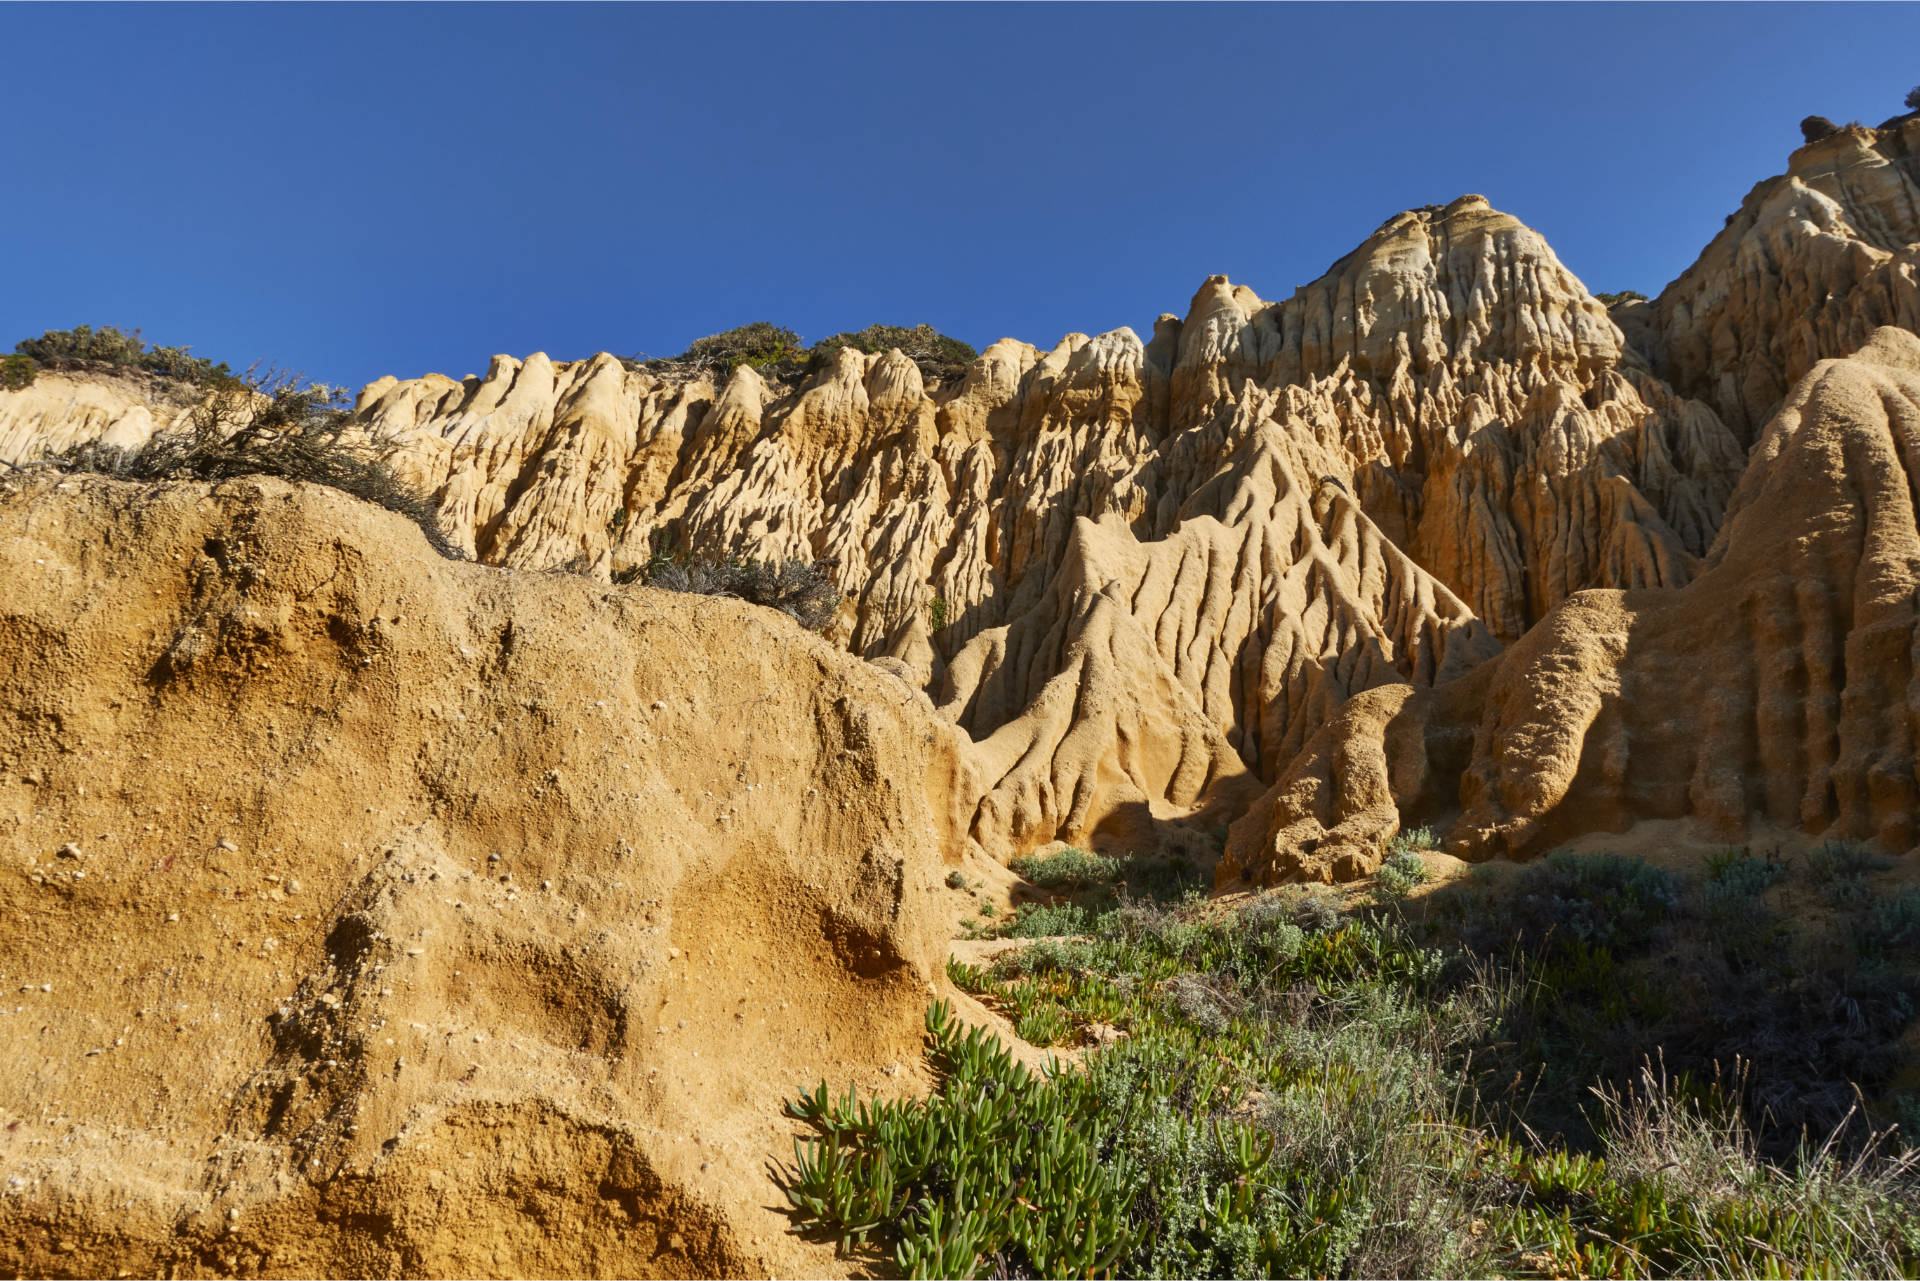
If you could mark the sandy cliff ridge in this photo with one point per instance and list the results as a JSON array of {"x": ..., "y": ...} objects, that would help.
[
  {"x": 1163, "y": 566},
  {"x": 1813, "y": 261},
  {"x": 369, "y": 913},
  {"x": 1777, "y": 683}
]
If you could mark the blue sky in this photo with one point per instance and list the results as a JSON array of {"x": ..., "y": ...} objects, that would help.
[{"x": 354, "y": 190}]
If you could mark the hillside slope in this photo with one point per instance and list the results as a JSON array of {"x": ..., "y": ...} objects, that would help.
[
  {"x": 369, "y": 913},
  {"x": 1160, "y": 566}
]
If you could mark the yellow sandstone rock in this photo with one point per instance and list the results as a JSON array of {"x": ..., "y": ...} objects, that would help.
[{"x": 432, "y": 919}]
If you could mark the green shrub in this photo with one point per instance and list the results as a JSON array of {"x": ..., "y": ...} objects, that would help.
[
  {"x": 1814, "y": 128},
  {"x": 1495, "y": 1023},
  {"x": 937, "y": 355},
  {"x": 1625, "y": 295},
  {"x": 108, "y": 344},
  {"x": 1913, "y": 99},
  {"x": 1839, "y": 870},
  {"x": 1043, "y": 920},
  {"x": 808, "y": 593},
  {"x": 1604, "y": 899},
  {"x": 1622, "y": 962},
  {"x": 1310, "y": 1111},
  {"x": 1092, "y": 889},
  {"x": 945, "y": 1182},
  {"x": 1399, "y": 874},
  {"x": 759, "y": 344},
  {"x": 1208, "y": 1006},
  {"x": 1317, "y": 912},
  {"x": 968, "y": 978},
  {"x": 1895, "y": 926},
  {"x": 111, "y": 345},
  {"x": 1066, "y": 869},
  {"x": 1413, "y": 838},
  {"x": 1044, "y": 1025},
  {"x": 779, "y": 352},
  {"x": 17, "y": 373},
  {"x": 1683, "y": 1183},
  {"x": 1070, "y": 956},
  {"x": 1149, "y": 877},
  {"x": 1839, "y": 859},
  {"x": 1731, "y": 898},
  {"x": 180, "y": 364},
  {"x": 1737, "y": 871},
  {"x": 1268, "y": 928},
  {"x": 773, "y": 349},
  {"x": 1402, "y": 870},
  {"x": 268, "y": 424}
]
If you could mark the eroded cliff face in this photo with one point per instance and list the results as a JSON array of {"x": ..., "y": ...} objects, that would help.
[
  {"x": 1780, "y": 682},
  {"x": 1812, "y": 263},
  {"x": 1164, "y": 568},
  {"x": 374, "y": 914},
  {"x": 1456, "y": 379},
  {"x": 1160, "y": 565},
  {"x": 62, "y": 409}
]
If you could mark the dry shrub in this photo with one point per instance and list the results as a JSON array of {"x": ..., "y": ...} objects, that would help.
[
  {"x": 807, "y": 593},
  {"x": 268, "y": 423}
]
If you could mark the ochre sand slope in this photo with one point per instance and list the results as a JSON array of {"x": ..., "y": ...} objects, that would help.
[{"x": 273, "y": 1006}]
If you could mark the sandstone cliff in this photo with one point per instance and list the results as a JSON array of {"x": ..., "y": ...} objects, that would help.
[
  {"x": 1159, "y": 569},
  {"x": 122, "y": 408},
  {"x": 369, "y": 913},
  {"x": 1780, "y": 682},
  {"x": 1160, "y": 565},
  {"x": 1458, "y": 381},
  {"x": 377, "y": 913},
  {"x": 1807, "y": 268}
]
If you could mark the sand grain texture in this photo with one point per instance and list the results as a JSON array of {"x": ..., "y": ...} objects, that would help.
[{"x": 273, "y": 1005}]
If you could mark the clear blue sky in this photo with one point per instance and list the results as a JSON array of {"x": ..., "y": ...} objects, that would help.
[{"x": 355, "y": 190}]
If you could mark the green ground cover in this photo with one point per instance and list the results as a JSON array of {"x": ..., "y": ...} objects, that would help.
[{"x": 1586, "y": 1066}]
